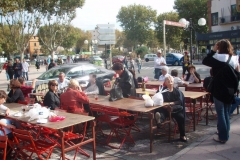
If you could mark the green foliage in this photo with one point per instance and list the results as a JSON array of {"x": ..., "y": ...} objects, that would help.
[
  {"x": 137, "y": 21},
  {"x": 194, "y": 9},
  {"x": 142, "y": 50},
  {"x": 173, "y": 33},
  {"x": 80, "y": 46},
  {"x": 116, "y": 52}
]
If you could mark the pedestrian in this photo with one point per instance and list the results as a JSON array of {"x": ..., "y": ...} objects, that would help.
[
  {"x": 46, "y": 64},
  {"x": 37, "y": 65},
  {"x": 225, "y": 84},
  {"x": 25, "y": 69},
  {"x": 51, "y": 65},
  {"x": 105, "y": 62},
  {"x": 185, "y": 63},
  {"x": 10, "y": 69},
  {"x": 68, "y": 60},
  {"x": 59, "y": 61},
  {"x": 17, "y": 68},
  {"x": 159, "y": 62},
  {"x": 125, "y": 61},
  {"x": 139, "y": 62},
  {"x": 5, "y": 68},
  {"x": 131, "y": 64},
  {"x": 125, "y": 80}
]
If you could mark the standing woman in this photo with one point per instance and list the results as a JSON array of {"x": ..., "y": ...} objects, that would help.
[
  {"x": 51, "y": 99},
  {"x": 139, "y": 63},
  {"x": 10, "y": 69},
  {"x": 224, "y": 84}
]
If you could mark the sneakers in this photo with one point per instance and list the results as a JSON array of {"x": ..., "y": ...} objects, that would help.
[{"x": 158, "y": 117}]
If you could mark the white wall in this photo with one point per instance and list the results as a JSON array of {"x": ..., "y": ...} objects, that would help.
[{"x": 225, "y": 5}]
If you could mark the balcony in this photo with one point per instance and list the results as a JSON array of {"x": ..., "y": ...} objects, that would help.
[{"x": 229, "y": 19}]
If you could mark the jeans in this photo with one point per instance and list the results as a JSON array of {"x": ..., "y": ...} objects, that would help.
[
  {"x": 7, "y": 76},
  {"x": 223, "y": 119},
  {"x": 139, "y": 67},
  {"x": 158, "y": 73},
  {"x": 234, "y": 106},
  {"x": 25, "y": 75}
]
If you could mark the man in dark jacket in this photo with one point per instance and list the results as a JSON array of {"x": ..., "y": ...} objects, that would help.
[
  {"x": 51, "y": 65},
  {"x": 125, "y": 80},
  {"x": 17, "y": 66}
]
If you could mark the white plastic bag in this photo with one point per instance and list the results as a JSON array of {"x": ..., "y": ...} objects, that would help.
[
  {"x": 158, "y": 98},
  {"x": 37, "y": 113},
  {"x": 148, "y": 101}
]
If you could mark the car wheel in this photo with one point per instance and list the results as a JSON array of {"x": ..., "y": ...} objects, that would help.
[
  {"x": 176, "y": 63},
  {"x": 146, "y": 59}
]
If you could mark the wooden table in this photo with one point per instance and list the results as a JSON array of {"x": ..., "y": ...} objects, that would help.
[
  {"x": 187, "y": 94},
  {"x": 130, "y": 105},
  {"x": 70, "y": 120}
]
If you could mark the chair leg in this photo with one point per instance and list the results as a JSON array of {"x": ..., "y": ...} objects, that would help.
[{"x": 237, "y": 109}]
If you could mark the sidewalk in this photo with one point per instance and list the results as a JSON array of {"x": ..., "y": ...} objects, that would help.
[{"x": 207, "y": 148}]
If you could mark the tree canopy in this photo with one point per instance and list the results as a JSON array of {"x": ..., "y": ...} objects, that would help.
[{"x": 137, "y": 21}]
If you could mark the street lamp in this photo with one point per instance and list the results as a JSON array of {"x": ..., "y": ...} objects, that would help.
[
  {"x": 86, "y": 42},
  {"x": 94, "y": 45},
  {"x": 189, "y": 24}
]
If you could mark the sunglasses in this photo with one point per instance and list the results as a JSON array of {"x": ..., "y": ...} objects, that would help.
[{"x": 54, "y": 85}]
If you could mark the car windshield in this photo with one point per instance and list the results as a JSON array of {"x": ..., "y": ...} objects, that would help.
[
  {"x": 178, "y": 55},
  {"x": 53, "y": 73}
]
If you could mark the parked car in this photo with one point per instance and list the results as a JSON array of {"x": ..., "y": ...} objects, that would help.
[
  {"x": 117, "y": 58},
  {"x": 174, "y": 59},
  {"x": 93, "y": 59},
  {"x": 78, "y": 71},
  {"x": 150, "y": 57}
]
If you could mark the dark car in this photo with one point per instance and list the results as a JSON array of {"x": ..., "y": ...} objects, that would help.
[
  {"x": 174, "y": 59},
  {"x": 117, "y": 58},
  {"x": 78, "y": 71}
]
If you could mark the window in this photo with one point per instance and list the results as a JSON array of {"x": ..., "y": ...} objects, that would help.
[
  {"x": 215, "y": 19},
  {"x": 235, "y": 16},
  {"x": 35, "y": 44}
]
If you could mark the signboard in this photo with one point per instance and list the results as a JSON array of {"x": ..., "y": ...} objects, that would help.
[
  {"x": 105, "y": 34},
  {"x": 171, "y": 23}
]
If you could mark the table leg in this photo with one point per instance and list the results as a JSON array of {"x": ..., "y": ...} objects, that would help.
[
  {"x": 62, "y": 144},
  {"x": 194, "y": 112},
  {"x": 207, "y": 111},
  {"x": 94, "y": 139},
  {"x": 151, "y": 117}
]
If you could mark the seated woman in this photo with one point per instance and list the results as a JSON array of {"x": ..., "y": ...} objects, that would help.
[
  {"x": 172, "y": 96},
  {"x": 192, "y": 76},
  {"x": 15, "y": 93},
  {"x": 164, "y": 73},
  {"x": 73, "y": 99},
  {"x": 26, "y": 89},
  {"x": 5, "y": 123},
  {"x": 51, "y": 99}
]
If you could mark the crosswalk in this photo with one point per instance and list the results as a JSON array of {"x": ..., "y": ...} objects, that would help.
[{"x": 198, "y": 68}]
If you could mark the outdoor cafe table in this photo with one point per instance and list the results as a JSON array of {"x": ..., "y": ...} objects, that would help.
[
  {"x": 129, "y": 104},
  {"x": 70, "y": 120},
  {"x": 187, "y": 94}
]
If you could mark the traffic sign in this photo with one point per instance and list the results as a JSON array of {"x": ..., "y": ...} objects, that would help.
[
  {"x": 106, "y": 34},
  {"x": 106, "y": 31},
  {"x": 106, "y": 37},
  {"x": 171, "y": 23},
  {"x": 106, "y": 42},
  {"x": 105, "y": 25}
]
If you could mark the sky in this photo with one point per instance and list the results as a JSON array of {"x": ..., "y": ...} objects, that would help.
[{"x": 105, "y": 11}]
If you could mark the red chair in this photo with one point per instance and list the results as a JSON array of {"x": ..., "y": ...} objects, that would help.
[
  {"x": 3, "y": 146},
  {"x": 25, "y": 142},
  {"x": 121, "y": 126}
]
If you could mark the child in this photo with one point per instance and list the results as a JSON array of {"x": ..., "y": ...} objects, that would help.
[{"x": 5, "y": 123}]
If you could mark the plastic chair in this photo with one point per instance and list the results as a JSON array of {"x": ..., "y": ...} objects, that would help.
[
  {"x": 120, "y": 125},
  {"x": 25, "y": 142},
  {"x": 3, "y": 145}
]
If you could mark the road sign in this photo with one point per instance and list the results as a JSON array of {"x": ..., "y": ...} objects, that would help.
[
  {"x": 106, "y": 42},
  {"x": 171, "y": 23},
  {"x": 106, "y": 37},
  {"x": 105, "y": 25},
  {"x": 106, "y": 31}
]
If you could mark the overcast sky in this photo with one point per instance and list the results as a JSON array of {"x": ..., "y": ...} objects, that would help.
[{"x": 105, "y": 11}]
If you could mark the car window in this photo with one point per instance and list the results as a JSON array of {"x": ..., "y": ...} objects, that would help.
[
  {"x": 75, "y": 72},
  {"x": 149, "y": 55},
  {"x": 154, "y": 55},
  {"x": 89, "y": 69},
  {"x": 53, "y": 73}
]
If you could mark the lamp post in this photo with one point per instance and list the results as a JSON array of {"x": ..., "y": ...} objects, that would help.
[
  {"x": 189, "y": 24},
  {"x": 3, "y": 53},
  {"x": 86, "y": 42}
]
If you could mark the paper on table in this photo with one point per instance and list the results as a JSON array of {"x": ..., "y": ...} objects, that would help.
[{"x": 42, "y": 121}]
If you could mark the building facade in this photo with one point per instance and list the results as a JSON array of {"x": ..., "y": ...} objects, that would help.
[
  {"x": 34, "y": 46},
  {"x": 223, "y": 22}
]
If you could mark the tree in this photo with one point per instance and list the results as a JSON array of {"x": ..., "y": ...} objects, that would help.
[
  {"x": 194, "y": 9},
  {"x": 80, "y": 46},
  {"x": 173, "y": 33},
  {"x": 142, "y": 50},
  {"x": 137, "y": 21}
]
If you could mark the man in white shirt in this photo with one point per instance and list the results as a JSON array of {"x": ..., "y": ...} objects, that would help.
[
  {"x": 25, "y": 69},
  {"x": 62, "y": 81},
  {"x": 92, "y": 87},
  {"x": 164, "y": 73},
  {"x": 159, "y": 62},
  {"x": 68, "y": 60},
  {"x": 177, "y": 81}
]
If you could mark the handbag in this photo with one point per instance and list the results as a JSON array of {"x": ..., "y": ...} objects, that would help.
[{"x": 115, "y": 93}]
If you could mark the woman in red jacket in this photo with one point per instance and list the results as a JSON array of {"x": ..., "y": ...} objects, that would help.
[{"x": 73, "y": 99}]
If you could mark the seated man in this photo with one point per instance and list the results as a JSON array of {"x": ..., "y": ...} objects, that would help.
[
  {"x": 92, "y": 87},
  {"x": 62, "y": 81},
  {"x": 26, "y": 89},
  {"x": 164, "y": 73},
  {"x": 177, "y": 81}
]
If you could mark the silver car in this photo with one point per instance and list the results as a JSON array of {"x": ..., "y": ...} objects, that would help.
[{"x": 150, "y": 57}]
